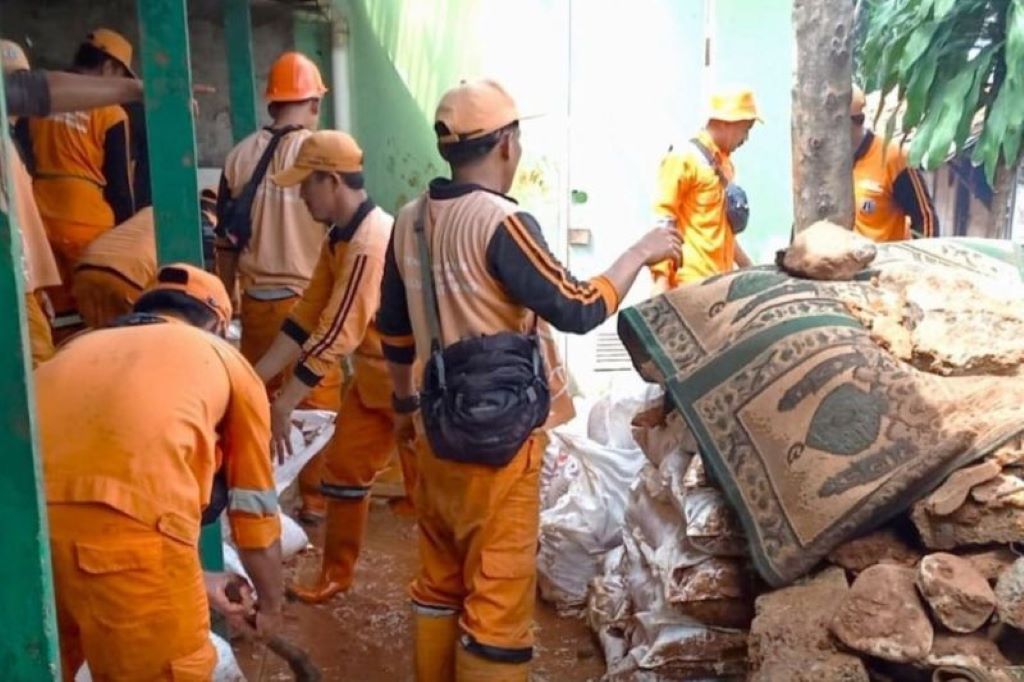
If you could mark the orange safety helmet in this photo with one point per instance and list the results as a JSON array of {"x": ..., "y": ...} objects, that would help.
[{"x": 293, "y": 78}]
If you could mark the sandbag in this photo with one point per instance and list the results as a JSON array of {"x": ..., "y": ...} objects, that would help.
[{"x": 586, "y": 522}]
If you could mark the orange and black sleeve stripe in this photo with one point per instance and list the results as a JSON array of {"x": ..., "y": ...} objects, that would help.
[
  {"x": 912, "y": 196},
  {"x": 393, "y": 321},
  {"x": 519, "y": 258}
]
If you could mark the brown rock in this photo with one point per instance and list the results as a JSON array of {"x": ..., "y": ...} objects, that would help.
[
  {"x": 991, "y": 562},
  {"x": 971, "y": 650},
  {"x": 882, "y": 615},
  {"x": 1005, "y": 490},
  {"x": 789, "y": 637},
  {"x": 827, "y": 251},
  {"x": 881, "y": 547},
  {"x": 959, "y": 596},
  {"x": 953, "y": 493},
  {"x": 971, "y": 524},
  {"x": 1010, "y": 595}
]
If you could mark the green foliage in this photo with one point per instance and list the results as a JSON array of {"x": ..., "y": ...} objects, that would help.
[{"x": 948, "y": 60}]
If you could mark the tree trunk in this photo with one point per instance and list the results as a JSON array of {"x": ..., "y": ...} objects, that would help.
[
  {"x": 822, "y": 154},
  {"x": 1004, "y": 185}
]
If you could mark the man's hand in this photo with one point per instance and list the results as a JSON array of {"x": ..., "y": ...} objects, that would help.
[
  {"x": 661, "y": 243},
  {"x": 268, "y": 621},
  {"x": 217, "y": 593},
  {"x": 405, "y": 430},
  {"x": 280, "y": 431}
]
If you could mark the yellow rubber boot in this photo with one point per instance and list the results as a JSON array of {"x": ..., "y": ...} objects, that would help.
[
  {"x": 472, "y": 668},
  {"x": 437, "y": 639},
  {"x": 343, "y": 538}
]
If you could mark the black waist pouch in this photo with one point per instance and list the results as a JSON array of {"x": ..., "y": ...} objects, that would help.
[{"x": 483, "y": 397}]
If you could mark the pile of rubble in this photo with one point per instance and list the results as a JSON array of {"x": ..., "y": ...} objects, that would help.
[{"x": 937, "y": 594}]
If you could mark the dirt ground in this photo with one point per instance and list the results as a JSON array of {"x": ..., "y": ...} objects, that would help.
[{"x": 367, "y": 633}]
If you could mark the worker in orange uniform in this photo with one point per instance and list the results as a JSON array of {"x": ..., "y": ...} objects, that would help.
[
  {"x": 39, "y": 265},
  {"x": 493, "y": 274},
  {"x": 692, "y": 193},
  {"x": 892, "y": 200},
  {"x": 335, "y": 318},
  {"x": 82, "y": 170},
  {"x": 114, "y": 270},
  {"x": 271, "y": 246},
  {"x": 132, "y": 599}
]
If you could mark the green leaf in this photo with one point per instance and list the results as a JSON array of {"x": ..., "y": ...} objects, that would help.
[
  {"x": 918, "y": 88},
  {"x": 920, "y": 40},
  {"x": 1015, "y": 41},
  {"x": 942, "y": 8}
]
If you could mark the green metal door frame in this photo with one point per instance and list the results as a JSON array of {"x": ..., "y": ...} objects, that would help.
[
  {"x": 167, "y": 73},
  {"x": 28, "y": 647},
  {"x": 312, "y": 33},
  {"x": 241, "y": 70}
]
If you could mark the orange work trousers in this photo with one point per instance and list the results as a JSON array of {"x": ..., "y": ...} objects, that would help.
[
  {"x": 261, "y": 323},
  {"x": 40, "y": 335},
  {"x": 68, "y": 240},
  {"x": 363, "y": 448},
  {"x": 478, "y": 545},
  {"x": 130, "y": 600},
  {"x": 102, "y": 296}
]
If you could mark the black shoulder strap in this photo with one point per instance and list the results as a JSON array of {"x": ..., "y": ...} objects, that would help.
[
  {"x": 248, "y": 193},
  {"x": 430, "y": 306},
  {"x": 710, "y": 157}
]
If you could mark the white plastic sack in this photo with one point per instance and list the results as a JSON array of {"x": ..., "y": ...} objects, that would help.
[
  {"x": 610, "y": 420},
  {"x": 227, "y": 669},
  {"x": 294, "y": 538},
  {"x": 311, "y": 432},
  {"x": 586, "y": 522}
]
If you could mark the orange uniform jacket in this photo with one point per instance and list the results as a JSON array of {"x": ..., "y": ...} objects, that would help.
[
  {"x": 888, "y": 192},
  {"x": 82, "y": 166},
  {"x": 493, "y": 273},
  {"x": 336, "y": 315},
  {"x": 40, "y": 267},
  {"x": 140, "y": 418},
  {"x": 129, "y": 251},
  {"x": 690, "y": 192}
]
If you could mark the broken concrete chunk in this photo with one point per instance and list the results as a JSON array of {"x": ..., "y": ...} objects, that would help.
[
  {"x": 826, "y": 251},
  {"x": 1005, "y": 490},
  {"x": 974, "y": 650},
  {"x": 959, "y": 596},
  {"x": 1010, "y": 595},
  {"x": 953, "y": 493},
  {"x": 991, "y": 562},
  {"x": 971, "y": 524},
  {"x": 882, "y": 615},
  {"x": 881, "y": 547},
  {"x": 789, "y": 637}
]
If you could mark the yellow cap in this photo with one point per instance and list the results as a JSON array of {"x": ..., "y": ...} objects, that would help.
[
  {"x": 472, "y": 110},
  {"x": 331, "y": 151},
  {"x": 735, "y": 105},
  {"x": 12, "y": 57},
  {"x": 195, "y": 283},
  {"x": 114, "y": 45},
  {"x": 857, "y": 102}
]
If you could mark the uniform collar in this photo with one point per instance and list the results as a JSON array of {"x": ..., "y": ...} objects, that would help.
[
  {"x": 864, "y": 146},
  {"x": 443, "y": 188},
  {"x": 704, "y": 137},
  {"x": 345, "y": 234}
]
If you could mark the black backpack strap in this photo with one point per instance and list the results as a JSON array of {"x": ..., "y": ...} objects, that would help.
[
  {"x": 248, "y": 192},
  {"x": 712, "y": 161},
  {"x": 430, "y": 306}
]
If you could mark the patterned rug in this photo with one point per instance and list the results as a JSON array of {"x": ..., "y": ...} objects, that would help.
[{"x": 815, "y": 431}]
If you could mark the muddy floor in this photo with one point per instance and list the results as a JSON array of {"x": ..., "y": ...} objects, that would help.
[{"x": 367, "y": 633}]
